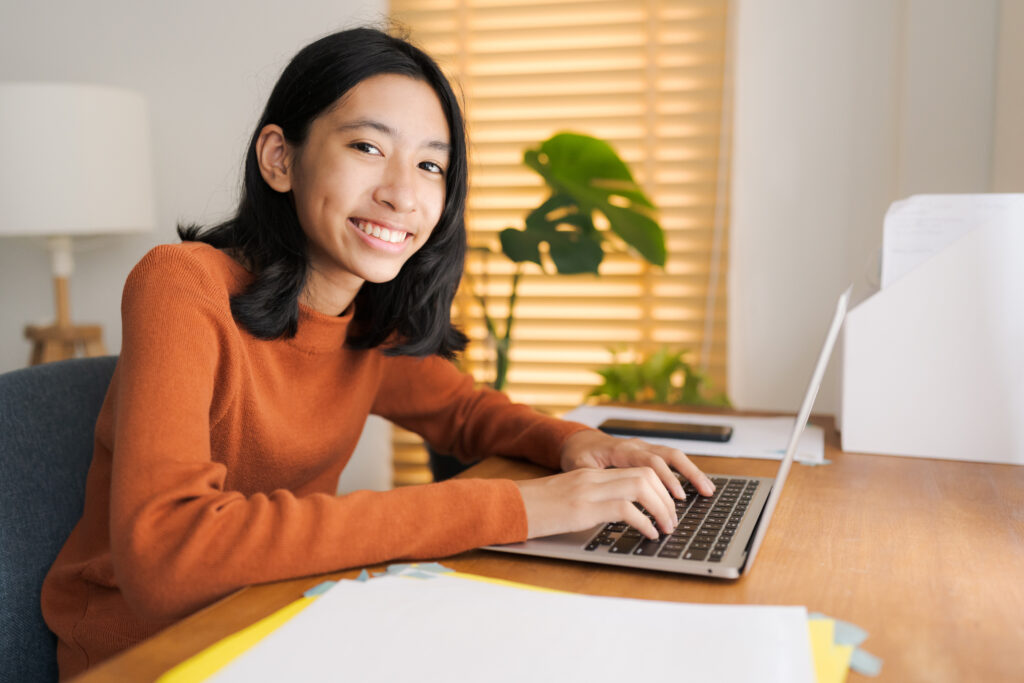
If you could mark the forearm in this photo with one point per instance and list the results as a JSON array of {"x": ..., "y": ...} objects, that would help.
[{"x": 179, "y": 553}]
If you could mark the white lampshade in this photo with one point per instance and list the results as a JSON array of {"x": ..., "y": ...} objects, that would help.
[{"x": 74, "y": 160}]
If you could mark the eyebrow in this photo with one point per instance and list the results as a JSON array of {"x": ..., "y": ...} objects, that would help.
[{"x": 439, "y": 145}]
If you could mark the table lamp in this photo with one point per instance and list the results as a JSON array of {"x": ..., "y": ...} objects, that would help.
[{"x": 74, "y": 161}]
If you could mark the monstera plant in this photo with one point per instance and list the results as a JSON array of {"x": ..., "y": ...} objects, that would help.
[
  {"x": 587, "y": 184},
  {"x": 586, "y": 180}
]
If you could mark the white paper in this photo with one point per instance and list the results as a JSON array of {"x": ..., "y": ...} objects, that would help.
[
  {"x": 921, "y": 226},
  {"x": 763, "y": 438},
  {"x": 448, "y": 628}
]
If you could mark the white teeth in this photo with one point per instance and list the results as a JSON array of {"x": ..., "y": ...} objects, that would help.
[{"x": 393, "y": 236}]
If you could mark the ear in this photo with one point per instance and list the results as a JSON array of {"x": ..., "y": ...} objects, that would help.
[{"x": 274, "y": 156}]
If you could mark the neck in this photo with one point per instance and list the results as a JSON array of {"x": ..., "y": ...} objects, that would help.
[{"x": 331, "y": 297}]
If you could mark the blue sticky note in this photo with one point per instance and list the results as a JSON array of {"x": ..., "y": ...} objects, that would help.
[
  {"x": 435, "y": 567},
  {"x": 849, "y": 634},
  {"x": 845, "y": 632},
  {"x": 397, "y": 568},
  {"x": 363, "y": 576},
  {"x": 319, "y": 589},
  {"x": 865, "y": 663}
]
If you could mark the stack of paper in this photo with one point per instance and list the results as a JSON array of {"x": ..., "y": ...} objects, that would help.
[{"x": 427, "y": 623}]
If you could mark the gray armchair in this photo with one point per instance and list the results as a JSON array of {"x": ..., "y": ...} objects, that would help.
[{"x": 47, "y": 419}]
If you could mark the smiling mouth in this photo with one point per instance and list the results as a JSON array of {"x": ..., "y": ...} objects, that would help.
[{"x": 380, "y": 232}]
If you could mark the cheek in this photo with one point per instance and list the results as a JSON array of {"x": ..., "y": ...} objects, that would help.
[{"x": 434, "y": 207}]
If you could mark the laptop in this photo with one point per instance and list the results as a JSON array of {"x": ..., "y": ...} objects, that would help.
[{"x": 717, "y": 536}]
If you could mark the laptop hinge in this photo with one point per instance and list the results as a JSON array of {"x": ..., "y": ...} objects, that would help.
[{"x": 753, "y": 535}]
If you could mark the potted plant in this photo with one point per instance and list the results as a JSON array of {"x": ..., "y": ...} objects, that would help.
[
  {"x": 585, "y": 178},
  {"x": 663, "y": 376}
]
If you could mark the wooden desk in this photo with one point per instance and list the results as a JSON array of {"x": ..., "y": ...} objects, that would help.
[{"x": 926, "y": 555}]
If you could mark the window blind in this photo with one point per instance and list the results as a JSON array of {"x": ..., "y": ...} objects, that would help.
[{"x": 648, "y": 76}]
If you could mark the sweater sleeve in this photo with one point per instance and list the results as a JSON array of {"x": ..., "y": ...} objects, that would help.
[
  {"x": 179, "y": 538},
  {"x": 431, "y": 397}
]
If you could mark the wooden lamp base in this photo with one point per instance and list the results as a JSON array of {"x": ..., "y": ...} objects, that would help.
[
  {"x": 54, "y": 342},
  {"x": 62, "y": 340}
]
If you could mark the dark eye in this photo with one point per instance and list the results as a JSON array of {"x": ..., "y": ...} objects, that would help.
[
  {"x": 431, "y": 167},
  {"x": 366, "y": 147}
]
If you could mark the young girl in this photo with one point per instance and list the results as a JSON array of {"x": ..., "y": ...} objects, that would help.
[{"x": 254, "y": 351}]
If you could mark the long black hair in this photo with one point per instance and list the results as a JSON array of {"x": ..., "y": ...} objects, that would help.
[{"x": 412, "y": 312}]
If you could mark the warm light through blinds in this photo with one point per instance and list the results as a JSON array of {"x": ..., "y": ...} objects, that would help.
[{"x": 647, "y": 76}]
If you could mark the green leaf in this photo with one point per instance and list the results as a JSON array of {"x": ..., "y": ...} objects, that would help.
[
  {"x": 573, "y": 253},
  {"x": 581, "y": 222},
  {"x": 655, "y": 377},
  {"x": 585, "y": 160},
  {"x": 589, "y": 170},
  {"x": 520, "y": 245},
  {"x": 539, "y": 219},
  {"x": 640, "y": 232}
]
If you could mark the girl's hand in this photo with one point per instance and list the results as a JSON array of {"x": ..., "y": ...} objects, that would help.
[
  {"x": 593, "y": 448},
  {"x": 588, "y": 493},
  {"x": 577, "y": 500}
]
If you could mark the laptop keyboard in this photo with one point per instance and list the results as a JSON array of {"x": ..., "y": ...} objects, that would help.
[{"x": 706, "y": 525}]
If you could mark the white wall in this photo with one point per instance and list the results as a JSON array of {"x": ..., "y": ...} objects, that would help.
[
  {"x": 206, "y": 68},
  {"x": 841, "y": 108}
]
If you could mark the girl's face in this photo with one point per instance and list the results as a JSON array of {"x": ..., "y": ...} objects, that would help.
[{"x": 369, "y": 185}]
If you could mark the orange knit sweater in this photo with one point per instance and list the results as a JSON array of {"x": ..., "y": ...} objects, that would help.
[{"x": 217, "y": 455}]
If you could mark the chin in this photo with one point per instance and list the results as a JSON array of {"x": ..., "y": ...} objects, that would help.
[{"x": 381, "y": 276}]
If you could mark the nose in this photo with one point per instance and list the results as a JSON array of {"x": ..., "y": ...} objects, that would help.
[{"x": 396, "y": 189}]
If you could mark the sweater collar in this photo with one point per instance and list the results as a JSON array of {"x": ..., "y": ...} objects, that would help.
[{"x": 318, "y": 332}]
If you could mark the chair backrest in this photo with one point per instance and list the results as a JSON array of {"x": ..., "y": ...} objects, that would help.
[{"x": 47, "y": 420}]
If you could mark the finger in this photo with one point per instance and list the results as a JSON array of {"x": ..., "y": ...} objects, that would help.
[
  {"x": 667, "y": 477},
  {"x": 656, "y": 501},
  {"x": 638, "y": 520},
  {"x": 640, "y": 484},
  {"x": 685, "y": 467},
  {"x": 668, "y": 503}
]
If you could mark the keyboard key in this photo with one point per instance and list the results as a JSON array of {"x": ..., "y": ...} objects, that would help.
[
  {"x": 672, "y": 552},
  {"x": 624, "y": 545},
  {"x": 647, "y": 548},
  {"x": 695, "y": 554}
]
